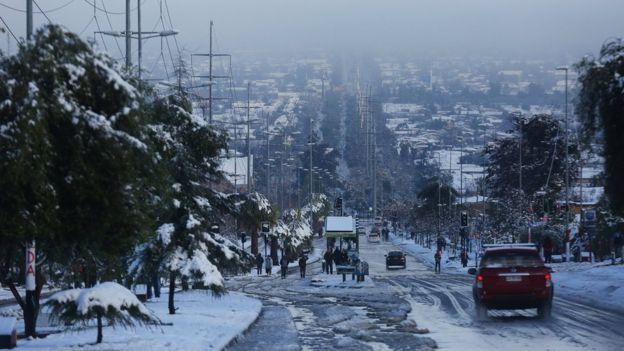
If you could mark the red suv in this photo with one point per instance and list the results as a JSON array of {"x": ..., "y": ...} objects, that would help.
[{"x": 512, "y": 277}]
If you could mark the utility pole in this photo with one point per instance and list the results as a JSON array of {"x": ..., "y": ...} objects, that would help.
[
  {"x": 268, "y": 147},
  {"x": 210, "y": 81},
  {"x": 249, "y": 178},
  {"x": 140, "y": 41},
  {"x": 567, "y": 170},
  {"x": 212, "y": 78},
  {"x": 29, "y": 19},
  {"x": 128, "y": 37},
  {"x": 140, "y": 35},
  {"x": 374, "y": 151}
]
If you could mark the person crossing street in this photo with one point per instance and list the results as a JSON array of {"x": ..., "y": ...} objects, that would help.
[
  {"x": 284, "y": 266},
  {"x": 259, "y": 262},
  {"x": 303, "y": 260},
  {"x": 268, "y": 265},
  {"x": 438, "y": 261}
]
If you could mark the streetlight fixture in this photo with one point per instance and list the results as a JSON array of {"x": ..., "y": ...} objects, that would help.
[{"x": 567, "y": 170}]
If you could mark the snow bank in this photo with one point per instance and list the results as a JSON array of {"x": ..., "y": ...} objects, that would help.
[
  {"x": 601, "y": 284},
  {"x": 203, "y": 322}
]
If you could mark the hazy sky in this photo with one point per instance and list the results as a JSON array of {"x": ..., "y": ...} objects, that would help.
[{"x": 530, "y": 28}]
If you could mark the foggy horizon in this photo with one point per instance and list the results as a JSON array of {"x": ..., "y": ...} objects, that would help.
[{"x": 524, "y": 29}]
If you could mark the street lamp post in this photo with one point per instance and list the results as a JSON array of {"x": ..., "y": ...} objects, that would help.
[{"x": 567, "y": 170}]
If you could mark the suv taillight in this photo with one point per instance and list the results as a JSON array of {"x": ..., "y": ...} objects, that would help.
[
  {"x": 479, "y": 281},
  {"x": 548, "y": 279}
]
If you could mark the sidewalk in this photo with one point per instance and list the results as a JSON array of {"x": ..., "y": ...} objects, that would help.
[{"x": 203, "y": 322}]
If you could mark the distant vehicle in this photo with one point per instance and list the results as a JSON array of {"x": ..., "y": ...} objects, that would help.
[
  {"x": 374, "y": 237},
  {"x": 395, "y": 259},
  {"x": 512, "y": 277}
]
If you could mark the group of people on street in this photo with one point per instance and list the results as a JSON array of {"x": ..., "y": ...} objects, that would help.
[
  {"x": 267, "y": 261},
  {"x": 335, "y": 257}
]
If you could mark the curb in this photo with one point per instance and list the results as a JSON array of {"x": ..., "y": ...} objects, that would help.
[{"x": 245, "y": 331}]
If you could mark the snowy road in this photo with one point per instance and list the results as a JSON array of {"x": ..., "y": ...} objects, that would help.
[{"x": 323, "y": 313}]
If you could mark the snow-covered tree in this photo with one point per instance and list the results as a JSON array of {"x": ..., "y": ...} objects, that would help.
[
  {"x": 73, "y": 164},
  {"x": 600, "y": 108},
  {"x": 187, "y": 149},
  {"x": 252, "y": 210},
  {"x": 107, "y": 301}
]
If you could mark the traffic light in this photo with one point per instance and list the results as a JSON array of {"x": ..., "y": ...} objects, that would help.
[
  {"x": 464, "y": 219},
  {"x": 338, "y": 205}
]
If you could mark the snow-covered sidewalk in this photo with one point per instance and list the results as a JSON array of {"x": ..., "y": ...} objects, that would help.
[
  {"x": 600, "y": 283},
  {"x": 202, "y": 322}
]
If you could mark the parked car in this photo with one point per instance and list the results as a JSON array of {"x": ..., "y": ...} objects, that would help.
[
  {"x": 512, "y": 277},
  {"x": 395, "y": 259}
]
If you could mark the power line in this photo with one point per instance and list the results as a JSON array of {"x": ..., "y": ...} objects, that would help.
[
  {"x": 42, "y": 12},
  {"x": 111, "y": 12},
  {"x": 110, "y": 26},
  {"x": 10, "y": 31},
  {"x": 48, "y": 11}
]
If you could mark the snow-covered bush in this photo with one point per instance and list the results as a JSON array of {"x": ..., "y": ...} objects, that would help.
[{"x": 106, "y": 301}]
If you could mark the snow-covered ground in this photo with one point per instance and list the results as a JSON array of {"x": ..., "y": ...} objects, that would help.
[
  {"x": 202, "y": 322},
  {"x": 600, "y": 283}
]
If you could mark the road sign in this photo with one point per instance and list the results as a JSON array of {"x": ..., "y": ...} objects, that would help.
[{"x": 265, "y": 227}]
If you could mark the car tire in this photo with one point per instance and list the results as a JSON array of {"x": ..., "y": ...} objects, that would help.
[
  {"x": 544, "y": 311},
  {"x": 481, "y": 312}
]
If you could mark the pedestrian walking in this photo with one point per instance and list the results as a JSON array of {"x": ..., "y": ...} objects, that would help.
[
  {"x": 548, "y": 249},
  {"x": 303, "y": 260},
  {"x": 618, "y": 244},
  {"x": 268, "y": 265},
  {"x": 284, "y": 266},
  {"x": 329, "y": 261},
  {"x": 259, "y": 262},
  {"x": 464, "y": 258},
  {"x": 336, "y": 257},
  {"x": 438, "y": 261}
]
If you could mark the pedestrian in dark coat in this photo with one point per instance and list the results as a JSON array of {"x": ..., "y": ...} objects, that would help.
[
  {"x": 259, "y": 262},
  {"x": 268, "y": 265},
  {"x": 337, "y": 257},
  {"x": 284, "y": 266},
  {"x": 303, "y": 260},
  {"x": 438, "y": 261},
  {"x": 329, "y": 261},
  {"x": 464, "y": 258}
]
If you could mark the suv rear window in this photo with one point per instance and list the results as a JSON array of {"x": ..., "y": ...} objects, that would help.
[
  {"x": 511, "y": 259},
  {"x": 395, "y": 253}
]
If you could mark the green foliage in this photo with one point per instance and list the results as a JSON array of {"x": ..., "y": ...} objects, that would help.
[
  {"x": 600, "y": 108},
  {"x": 543, "y": 162},
  {"x": 70, "y": 146}
]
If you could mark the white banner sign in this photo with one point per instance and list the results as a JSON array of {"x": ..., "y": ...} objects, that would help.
[{"x": 30, "y": 268}]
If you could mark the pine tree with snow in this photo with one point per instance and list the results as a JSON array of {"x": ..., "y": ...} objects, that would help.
[
  {"x": 252, "y": 210},
  {"x": 188, "y": 150},
  {"x": 73, "y": 164},
  {"x": 107, "y": 301}
]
